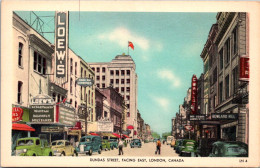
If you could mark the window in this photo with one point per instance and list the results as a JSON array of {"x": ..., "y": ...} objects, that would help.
[
  {"x": 39, "y": 63},
  {"x": 85, "y": 74},
  {"x": 97, "y": 77},
  {"x": 103, "y": 69},
  {"x": 37, "y": 142},
  {"x": 122, "y": 81},
  {"x": 235, "y": 42},
  {"x": 127, "y": 80},
  {"x": 81, "y": 92},
  {"x": 235, "y": 79},
  {"x": 128, "y": 114},
  {"x": 19, "y": 94},
  {"x": 111, "y": 81},
  {"x": 122, "y": 89},
  {"x": 128, "y": 106},
  {"x": 58, "y": 98},
  {"x": 117, "y": 89},
  {"x": 81, "y": 72},
  {"x": 128, "y": 72},
  {"x": 111, "y": 72},
  {"x": 76, "y": 67},
  {"x": 122, "y": 72},
  {"x": 92, "y": 96},
  {"x": 215, "y": 75},
  {"x": 128, "y": 89},
  {"x": 93, "y": 69},
  {"x": 221, "y": 59},
  {"x": 98, "y": 85},
  {"x": 220, "y": 92},
  {"x": 54, "y": 96},
  {"x": 98, "y": 69},
  {"x": 127, "y": 97},
  {"x": 103, "y": 77},
  {"x": 70, "y": 101},
  {"x": 103, "y": 85},
  {"x": 89, "y": 97},
  {"x": 117, "y": 81},
  {"x": 227, "y": 87},
  {"x": 227, "y": 51},
  {"x": 117, "y": 72},
  {"x": 71, "y": 85},
  {"x": 20, "y": 56},
  {"x": 71, "y": 66},
  {"x": 206, "y": 108}
]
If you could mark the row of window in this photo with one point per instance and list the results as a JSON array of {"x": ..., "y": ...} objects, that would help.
[
  {"x": 71, "y": 66},
  {"x": 112, "y": 72},
  {"x": 112, "y": 80}
]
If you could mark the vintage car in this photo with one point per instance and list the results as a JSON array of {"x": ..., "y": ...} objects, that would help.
[
  {"x": 33, "y": 146},
  {"x": 63, "y": 148},
  {"x": 89, "y": 144},
  {"x": 178, "y": 145},
  {"x": 229, "y": 149},
  {"x": 188, "y": 148},
  {"x": 136, "y": 143},
  {"x": 113, "y": 143},
  {"x": 105, "y": 145},
  {"x": 173, "y": 143},
  {"x": 205, "y": 146}
]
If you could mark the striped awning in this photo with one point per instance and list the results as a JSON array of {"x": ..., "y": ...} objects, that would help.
[{"x": 108, "y": 134}]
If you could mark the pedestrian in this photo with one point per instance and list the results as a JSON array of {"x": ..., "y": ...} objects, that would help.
[
  {"x": 158, "y": 147},
  {"x": 120, "y": 144}
]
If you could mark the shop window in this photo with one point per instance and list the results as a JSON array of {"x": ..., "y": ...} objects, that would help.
[
  {"x": 122, "y": 81},
  {"x": 111, "y": 72},
  {"x": 20, "y": 56},
  {"x": 103, "y": 69},
  {"x": 39, "y": 63},
  {"x": 19, "y": 94},
  {"x": 227, "y": 87}
]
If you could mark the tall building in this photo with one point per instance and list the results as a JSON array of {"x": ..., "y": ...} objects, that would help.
[{"x": 120, "y": 73}]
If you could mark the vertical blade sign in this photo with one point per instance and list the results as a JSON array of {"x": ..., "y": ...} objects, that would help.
[
  {"x": 61, "y": 41},
  {"x": 194, "y": 95}
]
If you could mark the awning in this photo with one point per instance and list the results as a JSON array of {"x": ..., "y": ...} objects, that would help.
[
  {"x": 118, "y": 136},
  {"x": 22, "y": 127},
  {"x": 108, "y": 134},
  {"x": 130, "y": 127},
  {"x": 95, "y": 134},
  {"x": 126, "y": 136}
]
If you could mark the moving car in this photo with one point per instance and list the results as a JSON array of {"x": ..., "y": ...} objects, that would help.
[
  {"x": 205, "y": 146},
  {"x": 33, "y": 146},
  {"x": 188, "y": 148},
  {"x": 229, "y": 149},
  {"x": 89, "y": 144},
  {"x": 136, "y": 143},
  {"x": 63, "y": 148},
  {"x": 169, "y": 140},
  {"x": 105, "y": 145},
  {"x": 113, "y": 144}
]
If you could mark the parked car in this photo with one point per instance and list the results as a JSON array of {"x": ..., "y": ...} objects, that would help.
[
  {"x": 229, "y": 149},
  {"x": 205, "y": 146},
  {"x": 178, "y": 145},
  {"x": 89, "y": 144},
  {"x": 113, "y": 144},
  {"x": 173, "y": 142},
  {"x": 33, "y": 146},
  {"x": 169, "y": 139},
  {"x": 136, "y": 143},
  {"x": 63, "y": 148},
  {"x": 188, "y": 148},
  {"x": 105, "y": 145}
]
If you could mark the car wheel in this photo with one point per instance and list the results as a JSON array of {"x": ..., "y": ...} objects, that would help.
[
  {"x": 63, "y": 154},
  {"x": 99, "y": 151},
  {"x": 90, "y": 152},
  {"x": 181, "y": 154},
  {"x": 34, "y": 154},
  {"x": 50, "y": 154},
  {"x": 75, "y": 153},
  {"x": 112, "y": 147}
]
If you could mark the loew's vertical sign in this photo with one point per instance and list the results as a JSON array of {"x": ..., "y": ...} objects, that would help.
[
  {"x": 194, "y": 95},
  {"x": 61, "y": 45}
]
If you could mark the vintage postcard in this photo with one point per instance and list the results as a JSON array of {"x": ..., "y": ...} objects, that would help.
[{"x": 130, "y": 83}]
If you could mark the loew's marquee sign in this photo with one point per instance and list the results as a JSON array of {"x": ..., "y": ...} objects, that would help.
[{"x": 65, "y": 114}]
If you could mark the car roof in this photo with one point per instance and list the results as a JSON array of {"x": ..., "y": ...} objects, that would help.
[{"x": 28, "y": 138}]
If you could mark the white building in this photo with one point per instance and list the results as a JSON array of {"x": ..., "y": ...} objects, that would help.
[{"x": 120, "y": 73}]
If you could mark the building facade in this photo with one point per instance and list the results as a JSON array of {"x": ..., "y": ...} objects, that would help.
[{"x": 120, "y": 73}]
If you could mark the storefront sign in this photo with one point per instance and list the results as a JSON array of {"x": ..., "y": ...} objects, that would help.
[
  {"x": 244, "y": 68},
  {"x": 17, "y": 114},
  {"x": 224, "y": 116},
  {"x": 188, "y": 127},
  {"x": 85, "y": 82},
  {"x": 105, "y": 126},
  {"x": 41, "y": 114},
  {"x": 197, "y": 117},
  {"x": 61, "y": 43},
  {"x": 66, "y": 114},
  {"x": 194, "y": 95},
  {"x": 52, "y": 129}
]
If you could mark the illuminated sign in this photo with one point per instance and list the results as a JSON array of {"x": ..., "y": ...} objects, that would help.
[
  {"x": 17, "y": 114},
  {"x": 61, "y": 43},
  {"x": 194, "y": 95}
]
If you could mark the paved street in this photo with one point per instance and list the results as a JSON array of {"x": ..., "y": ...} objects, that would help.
[{"x": 148, "y": 149}]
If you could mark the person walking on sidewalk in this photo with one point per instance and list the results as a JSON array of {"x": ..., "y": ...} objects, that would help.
[
  {"x": 120, "y": 144},
  {"x": 158, "y": 147}
]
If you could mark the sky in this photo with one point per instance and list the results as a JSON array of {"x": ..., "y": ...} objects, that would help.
[{"x": 167, "y": 48}]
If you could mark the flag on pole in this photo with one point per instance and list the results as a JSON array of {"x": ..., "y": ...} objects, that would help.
[{"x": 130, "y": 44}]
